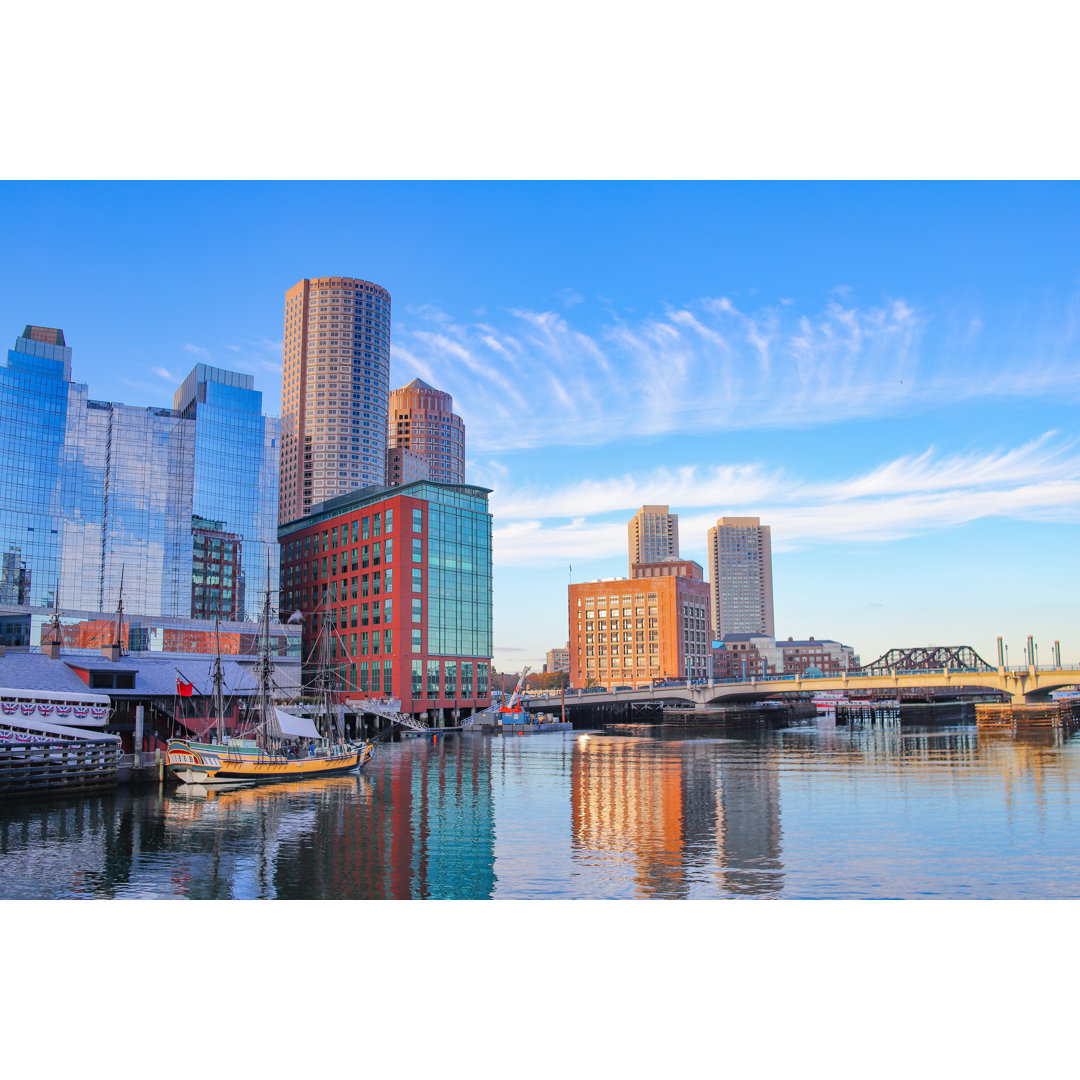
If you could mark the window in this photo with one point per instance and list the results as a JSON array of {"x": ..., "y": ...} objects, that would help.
[
  {"x": 417, "y": 584},
  {"x": 417, "y": 520},
  {"x": 417, "y": 554}
]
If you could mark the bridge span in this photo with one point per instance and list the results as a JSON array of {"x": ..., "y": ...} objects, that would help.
[{"x": 1022, "y": 685}]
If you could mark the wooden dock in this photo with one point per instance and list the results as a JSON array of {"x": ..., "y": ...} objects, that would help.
[{"x": 47, "y": 767}]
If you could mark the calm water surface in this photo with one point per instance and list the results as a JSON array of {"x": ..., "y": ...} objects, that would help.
[{"x": 801, "y": 812}]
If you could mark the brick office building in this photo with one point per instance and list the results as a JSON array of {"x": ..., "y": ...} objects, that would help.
[
  {"x": 631, "y": 632},
  {"x": 405, "y": 576}
]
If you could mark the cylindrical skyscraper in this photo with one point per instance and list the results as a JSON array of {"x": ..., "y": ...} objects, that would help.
[{"x": 334, "y": 392}]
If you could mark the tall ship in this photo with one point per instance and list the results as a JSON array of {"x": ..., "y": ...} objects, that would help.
[{"x": 282, "y": 745}]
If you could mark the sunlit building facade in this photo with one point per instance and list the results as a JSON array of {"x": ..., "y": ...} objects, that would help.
[
  {"x": 652, "y": 535},
  {"x": 424, "y": 425},
  {"x": 740, "y": 570},
  {"x": 633, "y": 632},
  {"x": 334, "y": 391}
]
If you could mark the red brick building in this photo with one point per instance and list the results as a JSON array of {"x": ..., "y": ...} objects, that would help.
[
  {"x": 404, "y": 575},
  {"x": 632, "y": 632}
]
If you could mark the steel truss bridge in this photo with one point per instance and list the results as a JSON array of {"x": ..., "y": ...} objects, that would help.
[{"x": 928, "y": 658}]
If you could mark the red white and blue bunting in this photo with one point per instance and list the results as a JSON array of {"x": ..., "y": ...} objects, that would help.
[{"x": 80, "y": 712}]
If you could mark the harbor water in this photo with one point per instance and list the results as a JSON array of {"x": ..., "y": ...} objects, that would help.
[{"x": 808, "y": 810}]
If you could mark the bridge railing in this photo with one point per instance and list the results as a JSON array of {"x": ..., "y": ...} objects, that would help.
[{"x": 576, "y": 692}]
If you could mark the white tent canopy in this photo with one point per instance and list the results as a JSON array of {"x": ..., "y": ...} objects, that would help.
[{"x": 295, "y": 727}]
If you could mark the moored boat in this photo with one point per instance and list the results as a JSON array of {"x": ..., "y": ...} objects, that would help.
[
  {"x": 285, "y": 746},
  {"x": 246, "y": 761}
]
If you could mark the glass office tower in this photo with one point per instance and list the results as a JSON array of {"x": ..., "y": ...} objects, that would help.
[
  {"x": 235, "y": 492},
  {"x": 33, "y": 495},
  {"x": 90, "y": 490}
]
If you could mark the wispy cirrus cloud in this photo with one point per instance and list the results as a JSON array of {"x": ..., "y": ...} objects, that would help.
[
  {"x": 1038, "y": 481},
  {"x": 715, "y": 364}
]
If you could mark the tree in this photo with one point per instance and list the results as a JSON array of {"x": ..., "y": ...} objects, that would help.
[{"x": 548, "y": 680}]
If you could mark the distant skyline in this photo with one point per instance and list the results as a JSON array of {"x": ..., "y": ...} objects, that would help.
[{"x": 886, "y": 374}]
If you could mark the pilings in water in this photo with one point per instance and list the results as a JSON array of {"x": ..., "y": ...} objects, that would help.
[
  {"x": 1011, "y": 716},
  {"x": 886, "y": 714}
]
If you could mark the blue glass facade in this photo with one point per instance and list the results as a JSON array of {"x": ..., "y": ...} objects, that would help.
[
  {"x": 235, "y": 477},
  {"x": 33, "y": 493},
  {"x": 91, "y": 490},
  {"x": 459, "y": 571}
]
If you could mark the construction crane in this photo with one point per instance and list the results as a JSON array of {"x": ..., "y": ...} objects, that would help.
[{"x": 511, "y": 705}]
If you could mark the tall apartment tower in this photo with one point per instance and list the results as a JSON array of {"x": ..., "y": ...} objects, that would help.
[
  {"x": 740, "y": 569},
  {"x": 335, "y": 388},
  {"x": 653, "y": 535},
  {"x": 426, "y": 436}
]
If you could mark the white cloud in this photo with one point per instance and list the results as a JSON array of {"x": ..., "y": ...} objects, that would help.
[
  {"x": 1039, "y": 481},
  {"x": 164, "y": 373},
  {"x": 198, "y": 350},
  {"x": 711, "y": 365}
]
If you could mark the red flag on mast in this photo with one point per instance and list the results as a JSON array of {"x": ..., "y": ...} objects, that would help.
[{"x": 184, "y": 689}]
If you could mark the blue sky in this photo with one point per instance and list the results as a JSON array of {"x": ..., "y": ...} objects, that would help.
[{"x": 885, "y": 373}]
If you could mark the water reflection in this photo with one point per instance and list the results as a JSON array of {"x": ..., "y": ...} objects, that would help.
[
  {"x": 805, "y": 811},
  {"x": 671, "y": 810}
]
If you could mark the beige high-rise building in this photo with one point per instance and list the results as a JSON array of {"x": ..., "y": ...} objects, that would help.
[
  {"x": 423, "y": 422},
  {"x": 334, "y": 392},
  {"x": 653, "y": 535},
  {"x": 558, "y": 659},
  {"x": 740, "y": 570}
]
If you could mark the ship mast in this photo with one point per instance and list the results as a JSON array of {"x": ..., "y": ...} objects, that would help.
[
  {"x": 219, "y": 702},
  {"x": 120, "y": 617},
  {"x": 325, "y": 678},
  {"x": 265, "y": 669},
  {"x": 57, "y": 631}
]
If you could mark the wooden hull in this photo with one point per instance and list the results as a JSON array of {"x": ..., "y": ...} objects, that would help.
[{"x": 216, "y": 765}]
